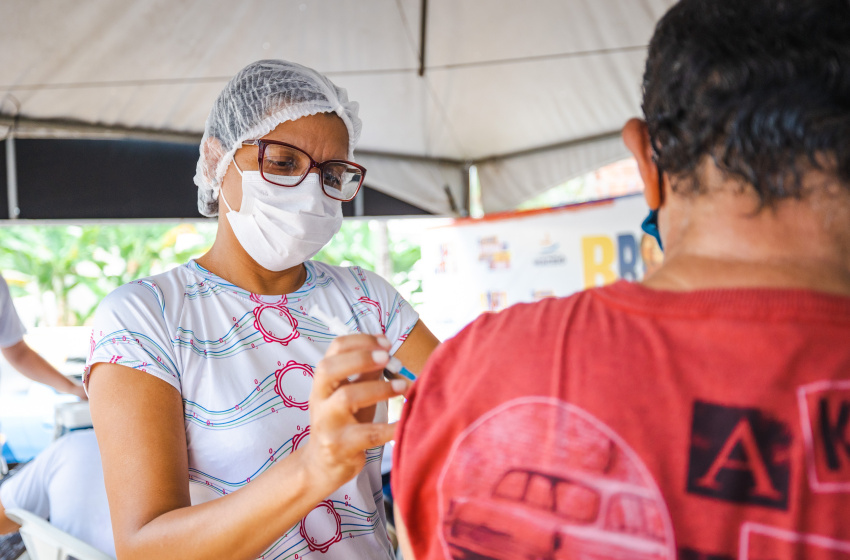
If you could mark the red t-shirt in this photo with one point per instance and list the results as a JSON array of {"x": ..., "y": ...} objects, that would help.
[{"x": 624, "y": 422}]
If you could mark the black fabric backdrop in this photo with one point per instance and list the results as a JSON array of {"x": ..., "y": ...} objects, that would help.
[{"x": 124, "y": 179}]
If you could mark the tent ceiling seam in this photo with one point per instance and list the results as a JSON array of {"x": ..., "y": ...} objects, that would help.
[
  {"x": 550, "y": 147},
  {"x": 379, "y": 71},
  {"x": 410, "y": 41},
  {"x": 539, "y": 58}
]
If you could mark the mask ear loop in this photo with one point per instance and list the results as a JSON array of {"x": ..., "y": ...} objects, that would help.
[
  {"x": 650, "y": 224},
  {"x": 236, "y": 165}
]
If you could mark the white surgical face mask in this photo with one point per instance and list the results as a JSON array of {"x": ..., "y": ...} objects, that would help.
[{"x": 281, "y": 227}]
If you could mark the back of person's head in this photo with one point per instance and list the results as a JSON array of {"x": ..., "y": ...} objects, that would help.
[{"x": 760, "y": 86}]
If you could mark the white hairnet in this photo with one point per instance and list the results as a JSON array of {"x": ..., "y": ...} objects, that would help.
[{"x": 258, "y": 98}]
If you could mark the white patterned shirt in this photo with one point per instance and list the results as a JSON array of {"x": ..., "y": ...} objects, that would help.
[{"x": 243, "y": 364}]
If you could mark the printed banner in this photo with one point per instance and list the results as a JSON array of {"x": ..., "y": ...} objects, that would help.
[{"x": 473, "y": 266}]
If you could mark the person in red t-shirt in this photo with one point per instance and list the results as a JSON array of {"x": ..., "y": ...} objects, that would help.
[{"x": 703, "y": 413}]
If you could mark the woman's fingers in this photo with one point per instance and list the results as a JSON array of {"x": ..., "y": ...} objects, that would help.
[
  {"x": 337, "y": 436},
  {"x": 367, "y": 436},
  {"x": 365, "y": 357},
  {"x": 355, "y": 396}
]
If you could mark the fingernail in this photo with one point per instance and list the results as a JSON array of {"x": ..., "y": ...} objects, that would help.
[
  {"x": 380, "y": 356},
  {"x": 384, "y": 341},
  {"x": 399, "y": 385}
]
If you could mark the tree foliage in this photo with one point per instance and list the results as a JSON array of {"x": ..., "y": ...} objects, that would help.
[{"x": 69, "y": 269}]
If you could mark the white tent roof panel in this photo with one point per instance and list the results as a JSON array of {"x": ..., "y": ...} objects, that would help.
[{"x": 502, "y": 76}]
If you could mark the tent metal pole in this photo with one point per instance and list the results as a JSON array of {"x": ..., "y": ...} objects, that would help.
[
  {"x": 423, "y": 26},
  {"x": 360, "y": 203},
  {"x": 467, "y": 194},
  {"x": 12, "y": 177}
]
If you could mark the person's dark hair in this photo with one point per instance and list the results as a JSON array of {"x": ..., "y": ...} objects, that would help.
[{"x": 762, "y": 86}]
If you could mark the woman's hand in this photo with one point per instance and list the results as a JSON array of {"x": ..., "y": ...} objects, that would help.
[{"x": 338, "y": 440}]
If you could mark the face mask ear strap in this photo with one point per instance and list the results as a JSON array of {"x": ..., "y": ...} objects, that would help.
[
  {"x": 236, "y": 165},
  {"x": 650, "y": 224},
  {"x": 224, "y": 199}
]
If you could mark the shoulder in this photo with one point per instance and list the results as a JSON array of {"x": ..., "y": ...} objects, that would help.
[
  {"x": 529, "y": 320},
  {"x": 347, "y": 274},
  {"x": 149, "y": 306},
  {"x": 527, "y": 330},
  {"x": 152, "y": 293},
  {"x": 354, "y": 278}
]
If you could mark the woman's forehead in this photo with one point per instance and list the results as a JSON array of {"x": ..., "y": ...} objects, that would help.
[{"x": 323, "y": 131}]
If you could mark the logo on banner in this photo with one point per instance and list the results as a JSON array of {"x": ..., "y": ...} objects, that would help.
[
  {"x": 494, "y": 301},
  {"x": 549, "y": 254},
  {"x": 605, "y": 260},
  {"x": 739, "y": 455},
  {"x": 826, "y": 427},
  {"x": 494, "y": 253},
  {"x": 446, "y": 263}
]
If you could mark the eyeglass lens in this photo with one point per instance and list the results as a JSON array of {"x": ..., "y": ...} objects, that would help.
[{"x": 286, "y": 166}]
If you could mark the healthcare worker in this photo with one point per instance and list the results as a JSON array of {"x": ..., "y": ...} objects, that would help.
[
  {"x": 21, "y": 356},
  {"x": 219, "y": 436}
]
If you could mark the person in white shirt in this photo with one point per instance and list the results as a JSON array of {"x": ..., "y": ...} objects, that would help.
[
  {"x": 21, "y": 356},
  {"x": 220, "y": 435},
  {"x": 63, "y": 484}
]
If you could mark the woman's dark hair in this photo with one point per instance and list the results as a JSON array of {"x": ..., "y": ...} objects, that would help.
[{"x": 762, "y": 86}]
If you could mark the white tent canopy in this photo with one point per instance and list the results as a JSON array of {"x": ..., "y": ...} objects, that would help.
[{"x": 533, "y": 92}]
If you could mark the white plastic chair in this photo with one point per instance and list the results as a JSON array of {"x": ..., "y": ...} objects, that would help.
[{"x": 46, "y": 542}]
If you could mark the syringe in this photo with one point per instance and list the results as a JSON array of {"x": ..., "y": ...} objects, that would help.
[{"x": 337, "y": 327}]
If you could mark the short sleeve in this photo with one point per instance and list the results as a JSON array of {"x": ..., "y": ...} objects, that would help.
[
  {"x": 11, "y": 329},
  {"x": 396, "y": 315},
  {"x": 130, "y": 329}
]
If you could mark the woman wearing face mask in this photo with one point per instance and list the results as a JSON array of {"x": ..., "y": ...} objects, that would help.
[{"x": 200, "y": 378}]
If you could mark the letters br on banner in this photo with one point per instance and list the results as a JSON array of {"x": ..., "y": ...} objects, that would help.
[{"x": 473, "y": 266}]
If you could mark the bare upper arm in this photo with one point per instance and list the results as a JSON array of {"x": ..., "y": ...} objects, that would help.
[
  {"x": 15, "y": 352},
  {"x": 6, "y": 524},
  {"x": 138, "y": 420},
  {"x": 414, "y": 351}
]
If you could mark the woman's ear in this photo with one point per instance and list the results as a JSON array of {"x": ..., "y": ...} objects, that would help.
[
  {"x": 636, "y": 137},
  {"x": 213, "y": 151}
]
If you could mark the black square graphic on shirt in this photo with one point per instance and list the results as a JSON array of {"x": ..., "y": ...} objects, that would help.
[
  {"x": 739, "y": 455},
  {"x": 693, "y": 554}
]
